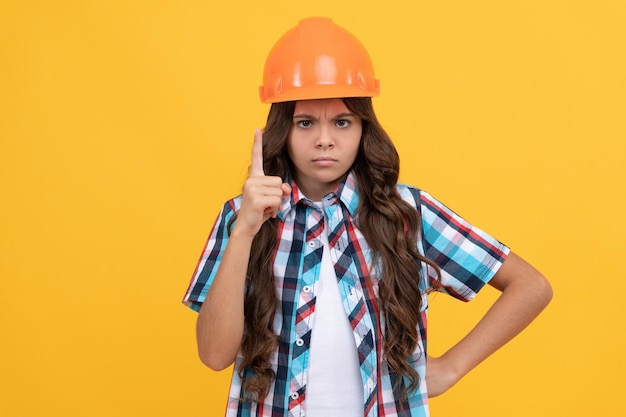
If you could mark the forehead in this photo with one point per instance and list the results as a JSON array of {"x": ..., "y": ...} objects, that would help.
[{"x": 322, "y": 106}]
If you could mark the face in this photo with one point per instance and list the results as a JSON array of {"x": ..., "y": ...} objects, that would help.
[{"x": 323, "y": 143}]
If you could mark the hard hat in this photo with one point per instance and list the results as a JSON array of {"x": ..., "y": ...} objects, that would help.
[{"x": 317, "y": 59}]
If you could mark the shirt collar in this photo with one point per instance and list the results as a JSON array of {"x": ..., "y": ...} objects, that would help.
[{"x": 346, "y": 192}]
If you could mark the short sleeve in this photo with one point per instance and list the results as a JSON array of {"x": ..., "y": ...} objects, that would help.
[
  {"x": 210, "y": 259},
  {"x": 467, "y": 256}
]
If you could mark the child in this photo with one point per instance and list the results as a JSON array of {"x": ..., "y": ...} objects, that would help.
[{"x": 314, "y": 281}]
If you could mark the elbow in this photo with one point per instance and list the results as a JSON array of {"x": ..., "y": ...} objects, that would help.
[
  {"x": 538, "y": 291},
  {"x": 215, "y": 362},
  {"x": 545, "y": 291}
]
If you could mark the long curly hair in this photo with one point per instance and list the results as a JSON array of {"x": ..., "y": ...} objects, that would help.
[{"x": 389, "y": 224}]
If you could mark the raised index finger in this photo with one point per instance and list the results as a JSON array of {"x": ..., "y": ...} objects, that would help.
[{"x": 256, "y": 168}]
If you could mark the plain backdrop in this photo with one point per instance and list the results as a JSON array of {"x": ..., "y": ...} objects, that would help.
[{"x": 124, "y": 125}]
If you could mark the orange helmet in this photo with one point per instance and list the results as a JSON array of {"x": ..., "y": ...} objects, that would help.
[{"x": 317, "y": 59}]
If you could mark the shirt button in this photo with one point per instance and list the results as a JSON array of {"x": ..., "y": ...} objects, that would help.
[
  {"x": 311, "y": 244},
  {"x": 306, "y": 288},
  {"x": 299, "y": 342},
  {"x": 294, "y": 396}
]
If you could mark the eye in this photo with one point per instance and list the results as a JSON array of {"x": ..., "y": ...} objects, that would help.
[
  {"x": 304, "y": 123},
  {"x": 343, "y": 123}
]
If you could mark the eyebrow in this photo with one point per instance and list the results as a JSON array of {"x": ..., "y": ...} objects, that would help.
[{"x": 335, "y": 117}]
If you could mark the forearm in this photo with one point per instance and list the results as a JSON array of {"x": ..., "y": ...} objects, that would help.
[
  {"x": 525, "y": 293},
  {"x": 516, "y": 308},
  {"x": 219, "y": 328}
]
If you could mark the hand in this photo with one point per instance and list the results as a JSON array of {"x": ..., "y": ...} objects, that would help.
[
  {"x": 439, "y": 376},
  {"x": 262, "y": 194}
]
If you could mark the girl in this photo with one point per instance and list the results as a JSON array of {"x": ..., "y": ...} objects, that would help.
[{"x": 314, "y": 281}]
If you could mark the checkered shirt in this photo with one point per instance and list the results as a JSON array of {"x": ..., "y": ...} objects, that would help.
[{"x": 467, "y": 256}]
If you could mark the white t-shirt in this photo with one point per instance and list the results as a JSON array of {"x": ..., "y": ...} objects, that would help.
[{"x": 334, "y": 386}]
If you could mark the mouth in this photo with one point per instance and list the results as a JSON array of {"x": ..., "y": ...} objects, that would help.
[{"x": 324, "y": 161}]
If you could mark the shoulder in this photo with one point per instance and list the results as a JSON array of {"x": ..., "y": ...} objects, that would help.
[
  {"x": 429, "y": 207},
  {"x": 228, "y": 210},
  {"x": 232, "y": 205},
  {"x": 410, "y": 194}
]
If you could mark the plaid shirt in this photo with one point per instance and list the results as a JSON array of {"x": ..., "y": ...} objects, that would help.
[{"x": 468, "y": 259}]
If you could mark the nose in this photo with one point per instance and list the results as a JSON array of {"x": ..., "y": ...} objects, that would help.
[{"x": 324, "y": 139}]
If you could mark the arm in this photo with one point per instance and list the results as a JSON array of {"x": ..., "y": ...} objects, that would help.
[
  {"x": 220, "y": 324},
  {"x": 219, "y": 328},
  {"x": 525, "y": 293}
]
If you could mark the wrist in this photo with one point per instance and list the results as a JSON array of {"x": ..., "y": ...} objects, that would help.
[
  {"x": 453, "y": 368},
  {"x": 241, "y": 233}
]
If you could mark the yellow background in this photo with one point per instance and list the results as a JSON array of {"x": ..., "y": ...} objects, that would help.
[{"x": 124, "y": 125}]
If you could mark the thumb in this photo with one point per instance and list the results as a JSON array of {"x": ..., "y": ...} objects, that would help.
[{"x": 286, "y": 189}]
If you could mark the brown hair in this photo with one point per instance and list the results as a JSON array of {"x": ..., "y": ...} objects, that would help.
[{"x": 389, "y": 224}]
